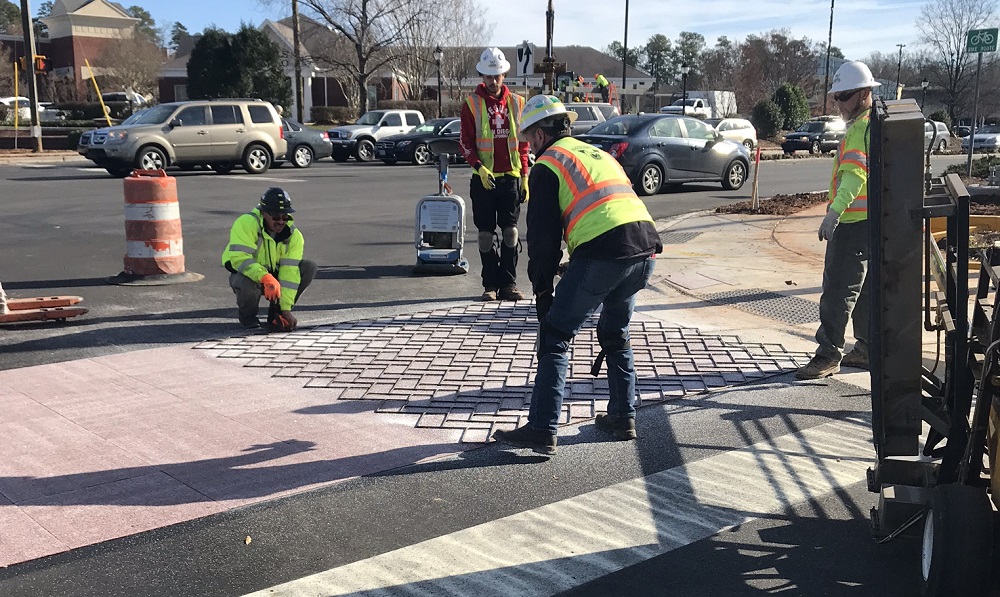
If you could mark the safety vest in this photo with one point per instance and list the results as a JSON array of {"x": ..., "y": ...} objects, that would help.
[
  {"x": 484, "y": 133},
  {"x": 595, "y": 194},
  {"x": 852, "y": 156},
  {"x": 601, "y": 81},
  {"x": 252, "y": 252}
]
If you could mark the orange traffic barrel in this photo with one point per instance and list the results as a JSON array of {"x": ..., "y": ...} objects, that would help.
[{"x": 154, "y": 247}]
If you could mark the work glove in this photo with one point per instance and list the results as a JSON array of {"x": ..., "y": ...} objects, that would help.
[
  {"x": 272, "y": 290},
  {"x": 287, "y": 321},
  {"x": 543, "y": 302},
  {"x": 829, "y": 224},
  {"x": 524, "y": 189},
  {"x": 487, "y": 177}
]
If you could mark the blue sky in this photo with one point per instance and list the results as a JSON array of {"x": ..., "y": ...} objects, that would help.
[{"x": 859, "y": 27}]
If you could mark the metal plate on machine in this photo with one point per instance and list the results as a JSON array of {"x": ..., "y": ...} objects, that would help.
[{"x": 439, "y": 215}]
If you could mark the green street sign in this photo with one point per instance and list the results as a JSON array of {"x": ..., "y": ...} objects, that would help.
[{"x": 981, "y": 40}]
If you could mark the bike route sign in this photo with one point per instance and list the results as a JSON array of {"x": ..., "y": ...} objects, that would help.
[{"x": 981, "y": 40}]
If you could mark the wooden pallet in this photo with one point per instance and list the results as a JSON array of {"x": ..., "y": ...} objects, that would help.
[{"x": 40, "y": 308}]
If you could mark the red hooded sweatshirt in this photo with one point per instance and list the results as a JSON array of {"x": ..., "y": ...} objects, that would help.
[{"x": 500, "y": 124}]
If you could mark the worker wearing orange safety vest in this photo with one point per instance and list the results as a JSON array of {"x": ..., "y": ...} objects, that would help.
[
  {"x": 845, "y": 228},
  {"x": 581, "y": 195},
  {"x": 491, "y": 145}
]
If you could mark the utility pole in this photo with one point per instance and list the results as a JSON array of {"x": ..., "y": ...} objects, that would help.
[
  {"x": 548, "y": 82},
  {"x": 29, "y": 63},
  {"x": 298, "y": 61},
  {"x": 624, "y": 62},
  {"x": 899, "y": 66},
  {"x": 826, "y": 77}
]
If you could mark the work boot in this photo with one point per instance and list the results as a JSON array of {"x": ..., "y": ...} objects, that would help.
[
  {"x": 249, "y": 323},
  {"x": 511, "y": 293},
  {"x": 855, "y": 358},
  {"x": 541, "y": 442},
  {"x": 490, "y": 294},
  {"x": 818, "y": 367},
  {"x": 620, "y": 427}
]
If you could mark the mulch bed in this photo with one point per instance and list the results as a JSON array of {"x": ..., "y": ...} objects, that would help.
[{"x": 779, "y": 205}]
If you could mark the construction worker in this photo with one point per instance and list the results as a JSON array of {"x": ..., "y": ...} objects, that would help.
[
  {"x": 845, "y": 228},
  {"x": 264, "y": 257},
  {"x": 602, "y": 85},
  {"x": 580, "y": 194},
  {"x": 499, "y": 161}
]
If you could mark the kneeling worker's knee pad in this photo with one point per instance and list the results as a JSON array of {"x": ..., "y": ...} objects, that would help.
[
  {"x": 510, "y": 236},
  {"x": 485, "y": 241},
  {"x": 610, "y": 342},
  {"x": 551, "y": 340}
]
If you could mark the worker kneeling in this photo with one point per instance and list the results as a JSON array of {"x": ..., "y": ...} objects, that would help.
[{"x": 264, "y": 257}]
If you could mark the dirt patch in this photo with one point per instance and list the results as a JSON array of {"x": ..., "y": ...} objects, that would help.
[
  {"x": 984, "y": 205},
  {"x": 779, "y": 205}
]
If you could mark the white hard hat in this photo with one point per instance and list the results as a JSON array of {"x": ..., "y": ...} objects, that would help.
[
  {"x": 853, "y": 75},
  {"x": 540, "y": 107},
  {"x": 492, "y": 62}
]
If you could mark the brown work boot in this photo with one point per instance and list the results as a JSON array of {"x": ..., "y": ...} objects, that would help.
[
  {"x": 542, "y": 442},
  {"x": 818, "y": 367},
  {"x": 620, "y": 427},
  {"x": 856, "y": 358},
  {"x": 511, "y": 293},
  {"x": 490, "y": 294}
]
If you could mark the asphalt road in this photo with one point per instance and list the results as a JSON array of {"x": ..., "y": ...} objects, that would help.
[{"x": 63, "y": 233}]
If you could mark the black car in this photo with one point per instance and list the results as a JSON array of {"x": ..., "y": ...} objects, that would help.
[
  {"x": 412, "y": 146},
  {"x": 817, "y": 136},
  {"x": 666, "y": 149},
  {"x": 305, "y": 145}
]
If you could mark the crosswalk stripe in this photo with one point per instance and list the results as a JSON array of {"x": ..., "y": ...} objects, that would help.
[{"x": 564, "y": 544}]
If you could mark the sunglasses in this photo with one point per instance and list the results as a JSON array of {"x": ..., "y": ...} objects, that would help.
[
  {"x": 280, "y": 217},
  {"x": 844, "y": 96}
]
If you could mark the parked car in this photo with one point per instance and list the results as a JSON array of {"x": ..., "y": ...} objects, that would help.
[
  {"x": 412, "y": 146},
  {"x": 735, "y": 129},
  {"x": 124, "y": 96},
  {"x": 220, "y": 133},
  {"x": 943, "y": 138},
  {"x": 305, "y": 145},
  {"x": 667, "y": 149},
  {"x": 359, "y": 139},
  {"x": 91, "y": 137},
  {"x": 22, "y": 104},
  {"x": 987, "y": 138},
  {"x": 590, "y": 114},
  {"x": 962, "y": 131},
  {"x": 817, "y": 135}
]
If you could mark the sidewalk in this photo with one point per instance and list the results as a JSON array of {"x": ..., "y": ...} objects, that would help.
[
  {"x": 26, "y": 156},
  {"x": 111, "y": 446}
]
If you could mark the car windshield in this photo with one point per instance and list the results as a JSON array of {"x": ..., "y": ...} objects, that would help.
[
  {"x": 811, "y": 127},
  {"x": 157, "y": 115},
  {"x": 620, "y": 125},
  {"x": 989, "y": 129},
  {"x": 371, "y": 118},
  {"x": 135, "y": 116},
  {"x": 429, "y": 127}
]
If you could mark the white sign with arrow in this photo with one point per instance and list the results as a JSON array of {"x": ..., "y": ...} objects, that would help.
[{"x": 525, "y": 63}]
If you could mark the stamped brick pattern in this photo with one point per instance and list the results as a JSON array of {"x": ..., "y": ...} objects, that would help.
[{"x": 471, "y": 367}]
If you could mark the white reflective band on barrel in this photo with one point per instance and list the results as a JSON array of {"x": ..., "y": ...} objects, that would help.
[
  {"x": 154, "y": 248},
  {"x": 152, "y": 211}
]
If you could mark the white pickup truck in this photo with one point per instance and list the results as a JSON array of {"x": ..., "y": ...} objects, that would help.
[
  {"x": 704, "y": 104},
  {"x": 359, "y": 139}
]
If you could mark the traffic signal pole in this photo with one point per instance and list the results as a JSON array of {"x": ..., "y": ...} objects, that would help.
[{"x": 29, "y": 60}]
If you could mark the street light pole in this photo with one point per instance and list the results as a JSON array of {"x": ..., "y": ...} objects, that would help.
[
  {"x": 624, "y": 61},
  {"x": 684, "y": 87},
  {"x": 923, "y": 96},
  {"x": 826, "y": 74},
  {"x": 438, "y": 54},
  {"x": 899, "y": 66},
  {"x": 299, "y": 95}
]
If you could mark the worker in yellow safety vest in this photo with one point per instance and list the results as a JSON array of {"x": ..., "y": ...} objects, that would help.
[
  {"x": 845, "y": 228},
  {"x": 580, "y": 195},
  {"x": 264, "y": 258},
  {"x": 499, "y": 159},
  {"x": 602, "y": 85}
]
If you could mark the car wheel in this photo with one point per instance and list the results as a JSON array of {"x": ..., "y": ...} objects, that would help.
[
  {"x": 365, "y": 151},
  {"x": 421, "y": 155},
  {"x": 748, "y": 143},
  {"x": 815, "y": 148},
  {"x": 222, "y": 168},
  {"x": 957, "y": 541},
  {"x": 650, "y": 180},
  {"x": 389, "y": 162},
  {"x": 736, "y": 175},
  {"x": 150, "y": 158},
  {"x": 302, "y": 156},
  {"x": 942, "y": 146},
  {"x": 256, "y": 159}
]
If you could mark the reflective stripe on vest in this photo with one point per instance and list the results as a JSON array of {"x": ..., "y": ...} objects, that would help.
[
  {"x": 484, "y": 134},
  {"x": 853, "y": 151},
  {"x": 595, "y": 194}
]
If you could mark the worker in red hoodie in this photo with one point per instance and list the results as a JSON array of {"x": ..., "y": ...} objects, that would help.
[{"x": 490, "y": 144}]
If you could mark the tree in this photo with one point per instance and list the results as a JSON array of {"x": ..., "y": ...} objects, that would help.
[
  {"x": 687, "y": 48},
  {"x": 10, "y": 17},
  {"x": 6, "y": 72},
  {"x": 132, "y": 63},
  {"x": 146, "y": 25},
  {"x": 720, "y": 65},
  {"x": 794, "y": 106},
  {"x": 657, "y": 55},
  {"x": 247, "y": 64},
  {"x": 177, "y": 33},
  {"x": 211, "y": 69},
  {"x": 632, "y": 57},
  {"x": 44, "y": 10},
  {"x": 943, "y": 26},
  {"x": 766, "y": 118},
  {"x": 773, "y": 58}
]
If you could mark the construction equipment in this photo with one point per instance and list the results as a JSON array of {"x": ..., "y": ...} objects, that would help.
[
  {"x": 935, "y": 485},
  {"x": 440, "y": 221},
  {"x": 59, "y": 308}
]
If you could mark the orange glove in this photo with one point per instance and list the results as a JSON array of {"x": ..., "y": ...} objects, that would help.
[{"x": 272, "y": 290}]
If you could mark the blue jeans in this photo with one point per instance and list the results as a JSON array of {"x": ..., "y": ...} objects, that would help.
[
  {"x": 845, "y": 291},
  {"x": 587, "y": 285}
]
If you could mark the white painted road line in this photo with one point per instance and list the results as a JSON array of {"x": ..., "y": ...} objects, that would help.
[{"x": 567, "y": 543}]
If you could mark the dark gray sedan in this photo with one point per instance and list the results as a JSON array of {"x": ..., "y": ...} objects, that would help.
[
  {"x": 664, "y": 149},
  {"x": 305, "y": 145}
]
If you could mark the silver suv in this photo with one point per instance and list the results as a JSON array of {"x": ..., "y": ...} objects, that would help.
[{"x": 220, "y": 133}]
